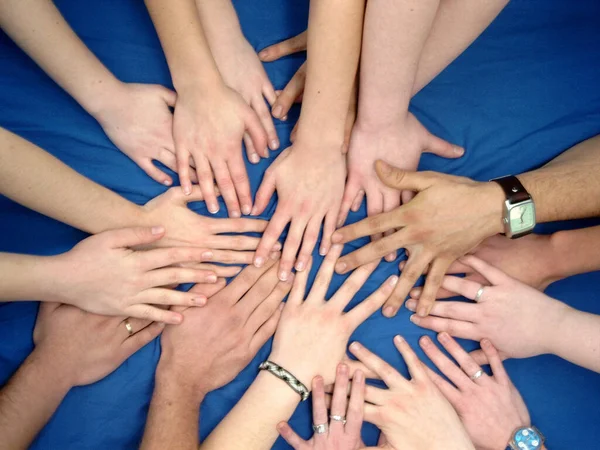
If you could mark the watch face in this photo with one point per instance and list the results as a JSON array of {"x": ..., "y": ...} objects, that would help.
[
  {"x": 522, "y": 217},
  {"x": 528, "y": 439}
]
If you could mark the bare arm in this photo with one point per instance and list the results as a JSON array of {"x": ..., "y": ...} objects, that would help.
[
  {"x": 577, "y": 339},
  {"x": 577, "y": 251}
]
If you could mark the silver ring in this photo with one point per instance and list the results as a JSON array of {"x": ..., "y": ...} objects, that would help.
[
  {"x": 479, "y": 294},
  {"x": 338, "y": 418},
  {"x": 477, "y": 375},
  {"x": 320, "y": 429},
  {"x": 128, "y": 327}
]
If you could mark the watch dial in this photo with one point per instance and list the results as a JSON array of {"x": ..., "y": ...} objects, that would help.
[
  {"x": 522, "y": 218},
  {"x": 528, "y": 439}
]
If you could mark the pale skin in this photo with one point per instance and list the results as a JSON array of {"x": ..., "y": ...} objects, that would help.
[
  {"x": 309, "y": 176},
  {"x": 210, "y": 118},
  {"x": 503, "y": 316},
  {"x": 450, "y": 216},
  {"x": 72, "y": 348},
  {"x": 136, "y": 117},
  {"x": 305, "y": 323},
  {"x": 208, "y": 351}
]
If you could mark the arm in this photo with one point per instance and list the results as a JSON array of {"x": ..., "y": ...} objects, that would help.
[{"x": 577, "y": 339}]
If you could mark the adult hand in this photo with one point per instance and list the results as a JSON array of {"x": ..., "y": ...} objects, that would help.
[
  {"x": 530, "y": 259},
  {"x": 104, "y": 275},
  {"x": 490, "y": 407},
  {"x": 294, "y": 90},
  {"x": 502, "y": 313},
  {"x": 137, "y": 119},
  {"x": 212, "y": 346},
  {"x": 309, "y": 190},
  {"x": 243, "y": 72},
  {"x": 307, "y": 324},
  {"x": 413, "y": 414},
  {"x": 448, "y": 217},
  {"x": 398, "y": 144},
  {"x": 185, "y": 227},
  {"x": 86, "y": 347},
  {"x": 340, "y": 435},
  {"x": 209, "y": 125}
]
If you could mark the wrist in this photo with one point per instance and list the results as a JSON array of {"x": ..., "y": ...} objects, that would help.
[
  {"x": 320, "y": 145},
  {"x": 102, "y": 101},
  {"x": 557, "y": 324},
  {"x": 377, "y": 123},
  {"x": 43, "y": 363},
  {"x": 298, "y": 368},
  {"x": 204, "y": 80},
  {"x": 563, "y": 259},
  {"x": 177, "y": 380},
  {"x": 493, "y": 203}
]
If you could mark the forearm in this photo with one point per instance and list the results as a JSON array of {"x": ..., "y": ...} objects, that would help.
[
  {"x": 576, "y": 251},
  {"x": 334, "y": 38},
  {"x": 178, "y": 25},
  {"x": 41, "y": 31},
  {"x": 219, "y": 22},
  {"x": 251, "y": 424},
  {"x": 456, "y": 25},
  {"x": 29, "y": 399},
  {"x": 24, "y": 277},
  {"x": 173, "y": 417},
  {"x": 35, "y": 179},
  {"x": 568, "y": 187},
  {"x": 395, "y": 32}
]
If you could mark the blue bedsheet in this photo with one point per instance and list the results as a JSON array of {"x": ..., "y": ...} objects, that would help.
[{"x": 528, "y": 89}]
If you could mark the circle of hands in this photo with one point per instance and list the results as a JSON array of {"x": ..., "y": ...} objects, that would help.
[{"x": 138, "y": 268}]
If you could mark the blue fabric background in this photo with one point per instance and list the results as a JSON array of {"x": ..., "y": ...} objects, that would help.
[{"x": 524, "y": 92}]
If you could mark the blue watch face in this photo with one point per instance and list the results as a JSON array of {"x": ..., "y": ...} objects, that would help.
[{"x": 528, "y": 439}]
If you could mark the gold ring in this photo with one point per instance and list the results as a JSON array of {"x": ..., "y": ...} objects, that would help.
[{"x": 128, "y": 327}]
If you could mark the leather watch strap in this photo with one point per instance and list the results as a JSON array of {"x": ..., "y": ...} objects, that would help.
[{"x": 514, "y": 190}]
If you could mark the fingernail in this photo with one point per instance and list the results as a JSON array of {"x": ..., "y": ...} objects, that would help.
[
  {"x": 213, "y": 208},
  {"x": 277, "y": 246},
  {"x": 199, "y": 301},
  {"x": 359, "y": 377},
  {"x": 235, "y": 215},
  {"x": 167, "y": 182},
  {"x": 486, "y": 343},
  {"x": 416, "y": 292},
  {"x": 246, "y": 209},
  {"x": 284, "y": 118},
  {"x": 388, "y": 311},
  {"x": 300, "y": 266},
  {"x": 207, "y": 255},
  {"x": 254, "y": 211},
  {"x": 402, "y": 265},
  {"x": 336, "y": 237},
  {"x": 323, "y": 251},
  {"x": 340, "y": 267},
  {"x": 393, "y": 280},
  {"x": 254, "y": 158},
  {"x": 399, "y": 339},
  {"x": 263, "y": 54},
  {"x": 274, "y": 145},
  {"x": 177, "y": 319},
  {"x": 187, "y": 190},
  {"x": 355, "y": 346},
  {"x": 343, "y": 369},
  {"x": 411, "y": 305},
  {"x": 458, "y": 150},
  {"x": 443, "y": 336},
  {"x": 422, "y": 311},
  {"x": 390, "y": 258},
  {"x": 157, "y": 230},
  {"x": 414, "y": 318},
  {"x": 258, "y": 261},
  {"x": 283, "y": 275},
  {"x": 274, "y": 255},
  {"x": 425, "y": 341},
  {"x": 277, "y": 111},
  {"x": 384, "y": 167}
]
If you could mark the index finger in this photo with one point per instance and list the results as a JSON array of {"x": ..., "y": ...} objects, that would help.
[
  {"x": 370, "y": 252},
  {"x": 284, "y": 48},
  {"x": 370, "y": 226}
]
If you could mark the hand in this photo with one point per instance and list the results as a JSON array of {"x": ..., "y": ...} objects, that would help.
[
  {"x": 210, "y": 126},
  {"x": 400, "y": 145},
  {"x": 185, "y": 227},
  {"x": 340, "y": 436},
  {"x": 137, "y": 119},
  {"x": 243, "y": 72},
  {"x": 448, "y": 217},
  {"x": 294, "y": 90},
  {"x": 307, "y": 324},
  {"x": 104, "y": 275},
  {"x": 216, "y": 342},
  {"x": 309, "y": 190},
  {"x": 413, "y": 414},
  {"x": 86, "y": 347},
  {"x": 490, "y": 407},
  {"x": 530, "y": 259},
  {"x": 503, "y": 313}
]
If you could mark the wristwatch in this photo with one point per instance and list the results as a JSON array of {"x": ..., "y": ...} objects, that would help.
[
  {"x": 526, "y": 438},
  {"x": 519, "y": 209}
]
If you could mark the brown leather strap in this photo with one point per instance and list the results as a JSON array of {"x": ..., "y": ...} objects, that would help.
[{"x": 514, "y": 190}]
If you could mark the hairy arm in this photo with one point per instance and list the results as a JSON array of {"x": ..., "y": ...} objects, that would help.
[{"x": 577, "y": 251}]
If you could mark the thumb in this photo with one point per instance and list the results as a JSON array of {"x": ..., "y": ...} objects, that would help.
[
  {"x": 403, "y": 179},
  {"x": 132, "y": 237},
  {"x": 443, "y": 148},
  {"x": 479, "y": 357}
]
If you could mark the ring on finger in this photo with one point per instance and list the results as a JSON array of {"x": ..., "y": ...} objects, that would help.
[
  {"x": 479, "y": 294},
  {"x": 338, "y": 418},
  {"x": 477, "y": 375},
  {"x": 128, "y": 327},
  {"x": 320, "y": 428}
]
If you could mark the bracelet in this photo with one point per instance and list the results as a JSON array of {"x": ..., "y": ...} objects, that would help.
[{"x": 284, "y": 375}]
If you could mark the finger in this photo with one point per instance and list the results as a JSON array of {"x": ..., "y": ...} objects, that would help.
[
  {"x": 404, "y": 179},
  {"x": 289, "y": 436},
  {"x": 253, "y": 156},
  {"x": 456, "y": 328},
  {"x": 355, "y": 366},
  {"x": 328, "y": 230},
  {"x": 492, "y": 274},
  {"x": 354, "y": 415},
  {"x": 495, "y": 362},
  {"x": 237, "y": 242},
  {"x": 466, "y": 312},
  {"x": 210, "y": 289},
  {"x": 371, "y": 304},
  {"x": 445, "y": 365},
  {"x": 219, "y": 271},
  {"x": 390, "y": 202},
  {"x": 308, "y": 243},
  {"x": 442, "y": 148},
  {"x": 183, "y": 168},
  {"x": 258, "y": 294},
  {"x": 238, "y": 173},
  {"x": 205, "y": 180},
  {"x": 369, "y": 227},
  {"x": 370, "y": 252},
  {"x": 442, "y": 293},
  {"x": 155, "y": 314},
  {"x": 266, "y": 120},
  {"x": 433, "y": 282},
  {"x": 340, "y": 399},
  {"x": 265, "y": 192},
  {"x": 163, "y": 257},
  {"x": 255, "y": 130},
  {"x": 227, "y": 187},
  {"x": 351, "y": 286},
  {"x": 140, "y": 339},
  {"x": 350, "y": 193},
  {"x": 416, "y": 264},
  {"x": 462, "y": 286},
  {"x": 415, "y": 367},
  {"x": 155, "y": 173},
  {"x": 467, "y": 364},
  {"x": 243, "y": 282},
  {"x": 266, "y": 331},
  {"x": 230, "y": 257},
  {"x": 269, "y": 92},
  {"x": 448, "y": 390},
  {"x": 133, "y": 237},
  {"x": 169, "y": 297},
  {"x": 358, "y": 201},
  {"x": 135, "y": 325},
  {"x": 294, "y": 130},
  {"x": 290, "y": 93},
  {"x": 290, "y": 247},
  {"x": 319, "y": 406},
  {"x": 324, "y": 275},
  {"x": 387, "y": 373},
  {"x": 176, "y": 276},
  {"x": 241, "y": 225},
  {"x": 284, "y": 48},
  {"x": 374, "y": 208}
]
